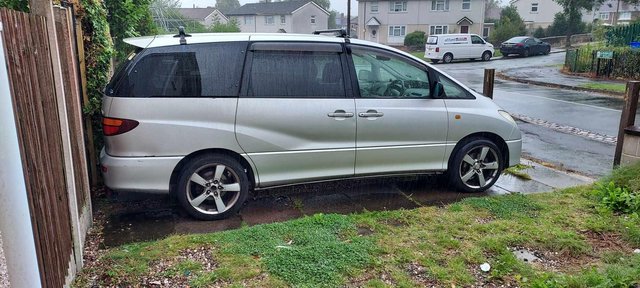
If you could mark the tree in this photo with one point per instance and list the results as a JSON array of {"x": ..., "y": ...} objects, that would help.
[
  {"x": 128, "y": 18},
  {"x": 509, "y": 25},
  {"x": 539, "y": 33},
  {"x": 561, "y": 24},
  {"x": 227, "y": 5},
  {"x": 572, "y": 13},
  {"x": 20, "y": 5},
  {"x": 332, "y": 20},
  {"x": 231, "y": 26}
]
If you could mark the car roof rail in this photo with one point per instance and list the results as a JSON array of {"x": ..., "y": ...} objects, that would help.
[
  {"x": 342, "y": 33},
  {"x": 182, "y": 35}
]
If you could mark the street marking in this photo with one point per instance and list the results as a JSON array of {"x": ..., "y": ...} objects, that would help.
[{"x": 607, "y": 139}]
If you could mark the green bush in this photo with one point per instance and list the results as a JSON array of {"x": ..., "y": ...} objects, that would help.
[
  {"x": 539, "y": 33},
  {"x": 617, "y": 199},
  {"x": 415, "y": 39}
]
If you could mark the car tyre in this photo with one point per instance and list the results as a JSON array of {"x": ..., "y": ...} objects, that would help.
[
  {"x": 447, "y": 58},
  {"x": 212, "y": 187},
  {"x": 435, "y": 61},
  {"x": 525, "y": 53},
  {"x": 547, "y": 51},
  {"x": 486, "y": 56},
  {"x": 476, "y": 166}
]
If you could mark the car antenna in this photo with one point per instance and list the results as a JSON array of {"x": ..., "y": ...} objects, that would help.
[{"x": 182, "y": 35}]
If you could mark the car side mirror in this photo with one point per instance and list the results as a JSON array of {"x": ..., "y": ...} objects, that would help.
[{"x": 438, "y": 90}]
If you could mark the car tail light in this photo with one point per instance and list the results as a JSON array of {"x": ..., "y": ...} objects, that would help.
[
  {"x": 519, "y": 44},
  {"x": 115, "y": 126},
  {"x": 437, "y": 49}
]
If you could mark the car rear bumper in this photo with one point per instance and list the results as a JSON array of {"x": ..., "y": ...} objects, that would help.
[
  {"x": 137, "y": 174},
  {"x": 515, "y": 151},
  {"x": 506, "y": 51}
]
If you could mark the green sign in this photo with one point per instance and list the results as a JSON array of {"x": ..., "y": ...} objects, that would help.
[{"x": 605, "y": 54}]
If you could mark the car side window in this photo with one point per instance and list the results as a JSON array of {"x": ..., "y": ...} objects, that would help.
[
  {"x": 195, "y": 70},
  {"x": 385, "y": 75},
  {"x": 453, "y": 90},
  {"x": 476, "y": 40},
  {"x": 289, "y": 74}
]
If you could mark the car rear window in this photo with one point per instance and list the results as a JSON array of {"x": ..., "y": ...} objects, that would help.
[
  {"x": 432, "y": 40},
  {"x": 195, "y": 70}
]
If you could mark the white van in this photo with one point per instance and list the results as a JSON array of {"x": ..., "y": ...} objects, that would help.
[{"x": 447, "y": 47}]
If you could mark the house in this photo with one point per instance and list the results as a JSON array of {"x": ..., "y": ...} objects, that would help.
[
  {"x": 388, "y": 22},
  {"x": 285, "y": 17},
  {"x": 205, "y": 16},
  {"x": 341, "y": 22},
  {"x": 617, "y": 12},
  {"x": 540, "y": 13}
]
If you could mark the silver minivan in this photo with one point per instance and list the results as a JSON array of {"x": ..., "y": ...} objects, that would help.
[{"x": 211, "y": 117}]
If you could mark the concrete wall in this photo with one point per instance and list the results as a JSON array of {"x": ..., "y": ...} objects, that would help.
[
  {"x": 4, "y": 276},
  {"x": 418, "y": 16},
  {"x": 631, "y": 147}
]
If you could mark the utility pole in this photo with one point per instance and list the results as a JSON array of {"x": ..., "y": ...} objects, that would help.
[{"x": 349, "y": 18}]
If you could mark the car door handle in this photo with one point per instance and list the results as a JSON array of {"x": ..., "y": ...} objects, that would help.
[
  {"x": 370, "y": 113},
  {"x": 340, "y": 114}
]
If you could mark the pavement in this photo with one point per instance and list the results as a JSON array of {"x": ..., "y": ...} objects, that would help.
[
  {"x": 4, "y": 277},
  {"x": 139, "y": 217}
]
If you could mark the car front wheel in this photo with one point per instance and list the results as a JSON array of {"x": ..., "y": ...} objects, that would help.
[
  {"x": 486, "y": 56},
  {"x": 212, "y": 187},
  {"x": 476, "y": 166}
]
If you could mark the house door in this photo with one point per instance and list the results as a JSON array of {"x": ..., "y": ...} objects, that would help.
[{"x": 464, "y": 29}]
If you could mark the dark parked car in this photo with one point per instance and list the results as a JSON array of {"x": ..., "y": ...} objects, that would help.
[{"x": 524, "y": 46}]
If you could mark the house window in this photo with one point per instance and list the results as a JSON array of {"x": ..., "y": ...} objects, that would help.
[
  {"x": 374, "y": 7},
  {"x": 534, "y": 7},
  {"x": 466, "y": 4},
  {"x": 438, "y": 29},
  {"x": 486, "y": 31},
  {"x": 283, "y": 19},
  {"x": 439, "y": 5},
  {"x": 604, "y": 16},
  {"x": 268, "y": 20},
  {"x": 398, "y": 6},
  {"x": 248, "y": 20},
  {"x": 464, "y": 29},
  {"x": 625, "y": 16},
  {"x": 313, "y": 19},
  {"x": 397, "y": 31}
]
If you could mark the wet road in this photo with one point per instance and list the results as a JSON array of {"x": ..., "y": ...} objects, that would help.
[{"x": 588, "y": 111}]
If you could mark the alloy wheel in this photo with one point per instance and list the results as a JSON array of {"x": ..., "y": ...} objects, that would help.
[
  {"x": 213, "y": 189},
  {"x": 479, "y": 167}
]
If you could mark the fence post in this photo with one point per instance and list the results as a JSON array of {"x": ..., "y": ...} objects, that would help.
[
  {"x": 628, "y": 116},
  {"x": 489, "y": 76}
]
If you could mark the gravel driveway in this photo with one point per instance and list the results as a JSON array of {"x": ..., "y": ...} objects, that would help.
[{"x": 4, "y": 278}]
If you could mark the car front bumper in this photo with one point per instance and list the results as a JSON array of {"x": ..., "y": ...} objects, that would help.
[
  {"x": 515, "y": 151},
  {"x": 137, "y": 174}
]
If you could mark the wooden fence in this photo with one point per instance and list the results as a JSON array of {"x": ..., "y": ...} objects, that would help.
[{"x": 49, "y": 126}]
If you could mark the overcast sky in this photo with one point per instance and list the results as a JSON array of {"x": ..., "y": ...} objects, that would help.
[{"x": 339, "y": 5}]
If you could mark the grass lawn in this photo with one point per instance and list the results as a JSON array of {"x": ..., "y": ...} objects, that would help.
[
  {"x": 614, "y": 87},
  {"x": 579, "y": 243}
]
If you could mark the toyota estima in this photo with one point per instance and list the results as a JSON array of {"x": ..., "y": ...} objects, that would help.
[{"x": 211, "y": 117}]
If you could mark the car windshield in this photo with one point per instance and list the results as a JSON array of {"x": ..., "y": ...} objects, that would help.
[
  {"x": 432, "y": 40},
  {"x": 516, "y": 39}
]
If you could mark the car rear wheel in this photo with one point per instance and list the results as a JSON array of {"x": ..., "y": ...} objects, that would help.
[
  {"x": 486, "y": 56},
  {"x": 447, "y": 58},
  {"x": 547, "y": 51},
  {"x": 212, "y": 187},
  {"x": 476, "y": 166}
]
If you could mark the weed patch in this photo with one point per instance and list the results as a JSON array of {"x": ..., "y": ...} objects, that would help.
[{"x": 514, "y": 205}]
